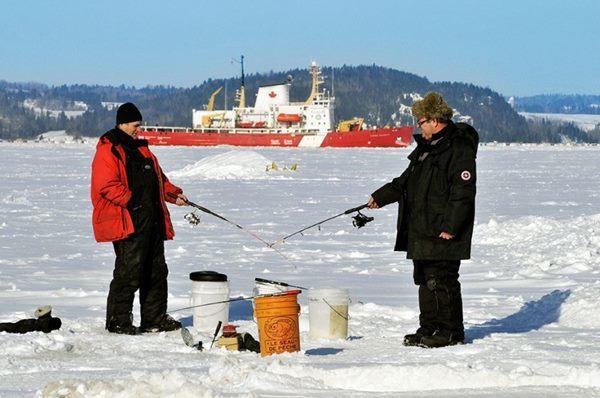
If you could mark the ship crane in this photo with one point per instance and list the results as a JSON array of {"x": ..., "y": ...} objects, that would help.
[
  {"x": 211, "y": 101},
  {"x": 208, "y": 120},
  {"x": 354, "y": 124}
]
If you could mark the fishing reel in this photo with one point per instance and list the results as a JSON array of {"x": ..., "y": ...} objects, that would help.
[
  {"x": 360, "y": 220},
  {"x": 192, "y": 218}
]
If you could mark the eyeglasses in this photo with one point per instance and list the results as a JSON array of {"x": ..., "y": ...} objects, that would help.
[{"x": 422, "y": 122}]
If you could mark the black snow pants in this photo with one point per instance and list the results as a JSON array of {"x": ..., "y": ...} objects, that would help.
[
  {"x": 440, "y": 299},
  {"x": 140, "y": 264}
]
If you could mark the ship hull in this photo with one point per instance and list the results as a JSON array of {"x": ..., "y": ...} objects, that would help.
[{"x": 398, "y": 137}]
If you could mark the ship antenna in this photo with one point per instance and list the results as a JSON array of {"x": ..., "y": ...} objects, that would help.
[
  {"x": 241, "y": 93},
  {"x": 242, "y": 103},
  {"x": 332, "y": 81},
  {"x": 242, "y": 62}
]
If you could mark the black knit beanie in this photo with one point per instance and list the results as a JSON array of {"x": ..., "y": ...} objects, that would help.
[{"x": 128, "y": 113}]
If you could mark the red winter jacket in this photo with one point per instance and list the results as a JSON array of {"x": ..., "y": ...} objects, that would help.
[{"x": 110, "y": 193}]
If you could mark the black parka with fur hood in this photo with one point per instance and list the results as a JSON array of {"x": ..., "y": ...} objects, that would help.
[{"x": 436, "y": 194}]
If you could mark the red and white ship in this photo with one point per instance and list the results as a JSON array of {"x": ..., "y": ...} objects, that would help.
[{"x": 275, "y": 121}]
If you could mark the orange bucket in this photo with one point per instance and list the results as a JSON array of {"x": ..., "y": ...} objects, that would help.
[{"x": 277, "y": 318}]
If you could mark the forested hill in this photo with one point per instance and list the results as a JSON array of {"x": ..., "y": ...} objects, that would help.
[{"x": 383, "y": 96}]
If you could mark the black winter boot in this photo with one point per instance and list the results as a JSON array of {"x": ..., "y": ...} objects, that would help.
[
  {"x": 121, "y": 326},
  {"x": 442, "y": 339},
  {"x": 167, "y": 324},
  {"x": 414, "y": 339}
]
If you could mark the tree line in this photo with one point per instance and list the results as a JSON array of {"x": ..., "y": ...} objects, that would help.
[{"x": 382, "y": 96}]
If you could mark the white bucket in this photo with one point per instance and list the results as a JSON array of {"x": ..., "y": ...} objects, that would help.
[
  {"x": 264, "y": 287},
  {"x": 328, "y": 313},
  {"x": 209, "y": 287}
]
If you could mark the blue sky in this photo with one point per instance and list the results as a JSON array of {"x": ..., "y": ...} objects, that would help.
[{"x": 516, "y": 47}]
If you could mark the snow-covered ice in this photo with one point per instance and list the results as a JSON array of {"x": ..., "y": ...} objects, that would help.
[
  {"x": 586, "y": 122},
  {"x": 530, "y": 292}
]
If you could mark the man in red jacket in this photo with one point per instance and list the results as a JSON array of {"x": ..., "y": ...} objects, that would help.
[{"x": 129, "y": 191}]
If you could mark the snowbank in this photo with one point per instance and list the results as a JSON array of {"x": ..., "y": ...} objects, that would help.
[{"x": 229, "y": 165}]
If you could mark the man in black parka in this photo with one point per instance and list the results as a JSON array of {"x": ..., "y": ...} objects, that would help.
[{"x": 436, "y": 197}]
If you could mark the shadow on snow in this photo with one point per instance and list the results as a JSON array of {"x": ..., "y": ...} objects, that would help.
[
  {"x": 532, "y": 316},
  {"x": 324, "y": 351}
]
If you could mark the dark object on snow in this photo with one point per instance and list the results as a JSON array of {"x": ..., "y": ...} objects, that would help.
[
  {"x": 249, "y": 343},
  {"x": 245, "y": 342},
  {"x": 188, "y": 339},
  {"x": 44, "y": 322}
]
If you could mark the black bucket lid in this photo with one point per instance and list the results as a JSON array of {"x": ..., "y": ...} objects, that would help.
[{"x": 208, "y": 276}]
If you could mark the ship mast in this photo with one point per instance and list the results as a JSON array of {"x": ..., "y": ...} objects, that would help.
[
  {"x": 241, "y": 93},
  {"x": 332, "y": 82},
  {"x": 315, "y": 72}
]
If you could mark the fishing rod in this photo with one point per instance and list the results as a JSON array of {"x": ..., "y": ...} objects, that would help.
[
  {"x": 195, "y": 220},
  {"x": 286, "y": 293},
  {"x": 359, "y": 221},
  {"x": 261, "y": 280}
]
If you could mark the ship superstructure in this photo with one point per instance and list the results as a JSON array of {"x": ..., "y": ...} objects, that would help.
[{"x": 275, "y": 121}]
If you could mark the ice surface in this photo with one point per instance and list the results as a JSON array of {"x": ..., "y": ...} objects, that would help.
[{"x": 530, "y": 291}]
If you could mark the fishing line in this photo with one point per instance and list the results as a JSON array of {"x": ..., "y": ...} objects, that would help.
[
  {"x": 359, "y": 221},
  {"x": 193, "y": 219},
  {"x": 286, "y": 293}
]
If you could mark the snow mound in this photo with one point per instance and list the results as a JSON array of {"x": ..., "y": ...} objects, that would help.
[
  {"x": 141, "y": 384},
  {"x": 579, "y": 311},
  {"x": 228, "y": 165},
  {"x": 60, "y": 137},
  {"x": 16, "y": 200},
  {"x": 539, "y": 246}
]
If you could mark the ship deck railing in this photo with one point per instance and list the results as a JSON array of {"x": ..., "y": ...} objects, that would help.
[{"x": 237, "y": 130}]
